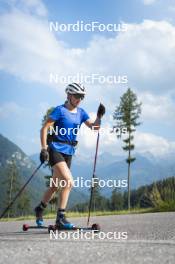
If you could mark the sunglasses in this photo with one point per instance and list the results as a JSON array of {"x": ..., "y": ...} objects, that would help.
[{"x": 78, "y": 96}]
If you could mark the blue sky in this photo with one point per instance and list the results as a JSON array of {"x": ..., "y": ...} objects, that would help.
[{"x": 29, "y": 52}]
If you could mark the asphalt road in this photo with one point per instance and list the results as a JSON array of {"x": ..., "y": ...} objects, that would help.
[{"x": 143, "y": 238}]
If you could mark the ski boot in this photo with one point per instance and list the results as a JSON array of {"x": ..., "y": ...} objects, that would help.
[
  {"x": 39, "y": 214},
  {"x": 63, "y": 224}
]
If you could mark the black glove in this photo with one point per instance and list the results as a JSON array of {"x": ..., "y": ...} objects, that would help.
[
  {"x": 101, "y": 111},
  {"x": 44, "y": 155}
]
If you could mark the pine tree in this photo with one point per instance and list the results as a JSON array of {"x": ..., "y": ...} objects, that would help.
[
  {"x": 47, "y": 115},
  {"x": 23, "y": 204},
  {"x": 144, "y": 200},
  {"x": 12, "y": 185},
  {"x": 155, "y": 196},
  {"x": 116, "y": 202},
  {"x": 99, "y": 202},
  {"x": 129, "y": 110},
  {"x": 95, "y": 197},
  {"x": 50, "y": 132}
]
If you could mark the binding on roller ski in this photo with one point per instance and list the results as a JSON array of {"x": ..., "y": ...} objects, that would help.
[{"x": 58, "y": 150}]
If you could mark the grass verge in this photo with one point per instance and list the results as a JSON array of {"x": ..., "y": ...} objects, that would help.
[{"x": 85, "y": 214}]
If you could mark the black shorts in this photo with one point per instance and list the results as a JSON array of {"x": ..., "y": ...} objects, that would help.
[{"x": 55, "y": 157}]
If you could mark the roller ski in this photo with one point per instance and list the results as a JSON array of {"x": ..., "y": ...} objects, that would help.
[
  {"x": 54, "y": 228},
  {"x": 39, "y": 219},
  {"x": 94, "y": 228},
  {"x": 26, "y": 227}
]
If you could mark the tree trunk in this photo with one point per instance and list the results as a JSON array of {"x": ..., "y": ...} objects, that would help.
[
  {"x": 129, "y": 186},
  {"x": 129, "y": 163},
  {"x": 10, "y": 192}
]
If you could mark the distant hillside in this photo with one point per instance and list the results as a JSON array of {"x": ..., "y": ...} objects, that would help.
[
  {"x": 25, "y": 166},
  {"x": 144, "y": 170},
  {"x": 9, "y": 151}
]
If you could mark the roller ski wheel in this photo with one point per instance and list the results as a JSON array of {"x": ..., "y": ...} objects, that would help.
[
  {"x": 96, "y": 227},
  {"x": 25, "y": 227},
  {"x": 51, "y": 228}
]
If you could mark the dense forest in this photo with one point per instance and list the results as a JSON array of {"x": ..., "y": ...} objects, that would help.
[{"x": 159, "y": 195}]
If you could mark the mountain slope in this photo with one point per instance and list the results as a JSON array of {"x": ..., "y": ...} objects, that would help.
[
  {"x": 25, "y": 166},
  {"x": 144, "y": 170},
  {"x": 10, "y": 152}
]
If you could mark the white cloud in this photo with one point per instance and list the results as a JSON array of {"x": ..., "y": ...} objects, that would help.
[
  {"x": 34, "y": 7},
  {"x": 157, "y": 145},
  {"x": 29, "y": 53},
  {"x": 136, "y": 53},
  {"x": 149, "y": 2},
  {"x": 145, "y": 53},
  {"x": 10, "y": 109},
  {"x": 144, "y": 142},
  {"x": 161, "y": 108},
  {"x": 88, "y": 138}
]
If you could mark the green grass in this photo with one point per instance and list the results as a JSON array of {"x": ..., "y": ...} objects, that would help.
[
  {"x": 85, "y": 214},
  {"x": 164, "y": 208}
]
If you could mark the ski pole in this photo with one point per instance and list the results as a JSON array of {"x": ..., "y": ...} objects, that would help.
[
  {"x": 18, "y": 194},
  {"x": 93, "y": 176}
]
